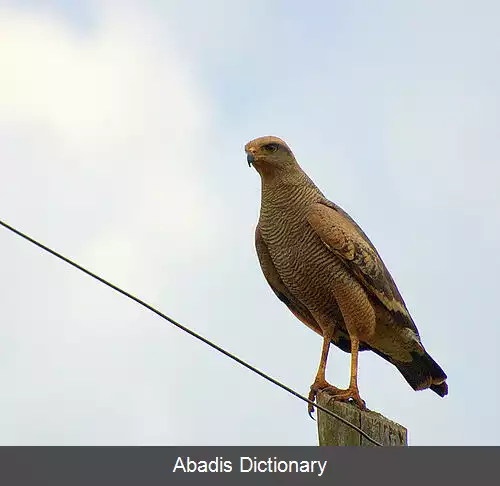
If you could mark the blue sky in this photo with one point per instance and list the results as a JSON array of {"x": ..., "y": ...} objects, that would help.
[{"x": 122, "y": 126}]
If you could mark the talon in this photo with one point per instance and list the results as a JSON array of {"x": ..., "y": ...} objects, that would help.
[
  {"x": 316, "y": 387},
  {"x": 312, "y": 397},
  {"x": 351, "y": 394}
]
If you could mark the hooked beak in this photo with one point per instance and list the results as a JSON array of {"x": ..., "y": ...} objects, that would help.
[{"x": 250, "y": 155}]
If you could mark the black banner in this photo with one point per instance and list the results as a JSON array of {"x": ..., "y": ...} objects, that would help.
[{"x": 155, "y": 466}]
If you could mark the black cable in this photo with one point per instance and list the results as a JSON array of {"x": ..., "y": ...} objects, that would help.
[{"x": 192, "y": 333}]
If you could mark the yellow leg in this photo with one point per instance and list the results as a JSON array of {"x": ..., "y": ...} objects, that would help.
[
  {"x": 320, "y": 382},
  {"x": 352, "y": 392},
  {"x": 354, "y": 363}
]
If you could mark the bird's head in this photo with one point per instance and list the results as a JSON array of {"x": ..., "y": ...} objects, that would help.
[{"x": 270, "y": 155}]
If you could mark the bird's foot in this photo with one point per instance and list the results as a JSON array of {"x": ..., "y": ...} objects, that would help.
[
  {"x": 317, "y": 386},
  {"x": 351, "y": 394}
]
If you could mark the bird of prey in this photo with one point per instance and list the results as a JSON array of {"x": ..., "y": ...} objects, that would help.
[{"x": 320, "y": 263}]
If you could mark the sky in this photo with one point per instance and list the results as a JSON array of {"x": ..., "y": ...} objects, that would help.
[{"x": 122, "y": 127}]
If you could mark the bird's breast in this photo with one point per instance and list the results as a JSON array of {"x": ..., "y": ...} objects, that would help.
[{"x": 305, "y": 265}]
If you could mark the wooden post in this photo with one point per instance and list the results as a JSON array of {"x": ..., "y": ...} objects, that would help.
[{"x": 333, "y": 432}]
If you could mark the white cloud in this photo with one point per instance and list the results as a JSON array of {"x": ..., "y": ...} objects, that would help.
[
  {"x": 108, "y": 80},
  {"x": 102, "y": 136},
  {"x": 121, "y": 111}
]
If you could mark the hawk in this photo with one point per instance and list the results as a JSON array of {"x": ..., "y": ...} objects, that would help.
[{"x": 321, "y": 264}]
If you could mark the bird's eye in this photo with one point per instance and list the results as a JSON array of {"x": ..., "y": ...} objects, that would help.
[{"x": 270, "y": 147}]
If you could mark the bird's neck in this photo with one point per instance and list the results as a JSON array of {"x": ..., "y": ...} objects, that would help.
[{"x": 280, "y": 189}]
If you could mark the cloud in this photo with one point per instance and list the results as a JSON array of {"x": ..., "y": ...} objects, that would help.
[
  {"x": 116, "y": 116},
  {"x": 103, "y": 136}
]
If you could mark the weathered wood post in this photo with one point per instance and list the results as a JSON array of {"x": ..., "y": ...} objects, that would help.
[{"x": 333, "y": 432}]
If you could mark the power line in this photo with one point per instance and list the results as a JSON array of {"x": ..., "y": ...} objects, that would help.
[{"x": 189, "y": 331}]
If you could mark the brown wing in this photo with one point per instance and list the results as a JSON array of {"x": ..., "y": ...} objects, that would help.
[
  {"x": 274, "y": 280},
  {"x": 345, "y": 239}
]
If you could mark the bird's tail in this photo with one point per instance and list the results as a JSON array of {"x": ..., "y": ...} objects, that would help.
[{"x": 423, "y": 372}]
